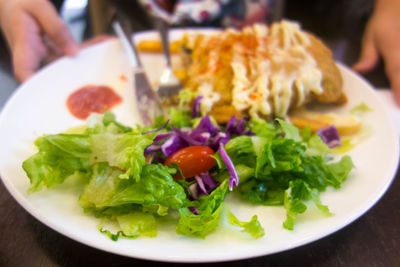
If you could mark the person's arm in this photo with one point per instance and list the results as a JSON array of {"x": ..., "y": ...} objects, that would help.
[
  {"x": 382, "y": 39},
  {"x": 35, "y": 34}
]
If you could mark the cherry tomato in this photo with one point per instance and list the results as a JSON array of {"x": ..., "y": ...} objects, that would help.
[{"x": 192, "y": 160}]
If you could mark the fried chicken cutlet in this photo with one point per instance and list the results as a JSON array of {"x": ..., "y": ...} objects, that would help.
[{"x": 260, "y": 71}]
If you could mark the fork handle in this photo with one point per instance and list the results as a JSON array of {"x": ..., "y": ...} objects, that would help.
[{"x": 163, "y": 29}]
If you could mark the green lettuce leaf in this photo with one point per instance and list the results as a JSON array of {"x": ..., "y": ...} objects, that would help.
[
  {"x": 209, "y": 208},
  {"x": 124, "y": 151},
  {"x": 295, "y": 201},
  {"x": 338, "y": 172},
  {"x": 262, "y": 128},
  {"x": 360, "y": 108},
  {"x": 156, "y": 187},
  {"x": 101, "y": 123},
  {"x": 279, "y": 155},
  {"x": 261, "y": 192},
  {"x": 253, "y": 227},
  {"x": 179, "y": 118},
  {"x": 138, "y": 224},
  {"x": 59, "y": 157},
  {"x": 241, "y": 150},
  {"x": 288, "y": 167},
  {"x": 316, "y": 146},
  {"x": 291, "y": 131},
  {"x": 131, "y": 225},
  {"x": 62, "y": 155}
]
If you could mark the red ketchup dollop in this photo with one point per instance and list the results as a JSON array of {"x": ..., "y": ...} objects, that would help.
[{"x": 92, "y": 98}]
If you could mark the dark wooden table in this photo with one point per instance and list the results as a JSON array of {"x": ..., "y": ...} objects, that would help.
[{"x": 372, "y": 240}]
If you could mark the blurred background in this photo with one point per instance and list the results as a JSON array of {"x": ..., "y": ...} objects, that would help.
[
  {"x": 74, "y": 13},
  {"x": 340, "y": 23}
]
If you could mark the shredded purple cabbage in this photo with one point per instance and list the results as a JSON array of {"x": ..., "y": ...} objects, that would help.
[
  {"x": 204, "y": 185},
  {"x": 158, "y": 129},
  {"x": 201, "y": 185},
  {"x": 173, "y": 144},
  {"x": 205, "y": 125},
  {"x": 196, "y": 107},
  {"x": 208, "y": 181},
  {"x": 187, "y": 136},
  {"x": 237, "y": 127},
  {"x": 152, "y": 148},
  {"x": 194, "y": 210},
  {"x": 156, "y": 146},
  {"x": 204, "y": 134},
  {"x": 330, "y": 136},
  {"x": 161, "y": 136},
  {"x": 234, "y": 179},
  {"x": 220, "y": 137}
]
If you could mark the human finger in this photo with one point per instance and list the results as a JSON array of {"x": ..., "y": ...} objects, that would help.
[
  {"x": 369, "y": 55},
  {"x": 396, "y": 93},
  {"x": 390, "y": 51},
  {"x": 393, "y": 72},
  {"x": 53, "y": 26},
  {"x": 28, "y": 49},
  {"x": 26, "y": 61}
]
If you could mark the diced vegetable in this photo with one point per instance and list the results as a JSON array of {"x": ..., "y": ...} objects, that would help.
[
  {"x": 192, "y": 160},
  {"x": 330, "y": 136}
]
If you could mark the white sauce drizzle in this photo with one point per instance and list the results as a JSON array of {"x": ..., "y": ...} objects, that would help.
[
  {"x": 209, "y": 97},
  {"x": 265, "y": 85}
]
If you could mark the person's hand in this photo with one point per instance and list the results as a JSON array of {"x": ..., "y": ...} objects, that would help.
[
  {"x": 382, "y": 39},
  {"x": 35, "y": 34}
]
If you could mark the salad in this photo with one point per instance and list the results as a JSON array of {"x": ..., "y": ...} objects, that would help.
[{"x": 183, "y": 167}]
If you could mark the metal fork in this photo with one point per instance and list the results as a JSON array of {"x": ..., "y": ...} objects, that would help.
[{"x": 169, "y": 85}]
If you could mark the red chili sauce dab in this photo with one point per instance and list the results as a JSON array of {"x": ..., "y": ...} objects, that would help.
[
  {"x": 92, "y": 98},
  {"x": 123, "y": 78}
]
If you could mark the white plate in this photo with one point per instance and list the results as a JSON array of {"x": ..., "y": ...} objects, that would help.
[{"x": 38, "y": 107}]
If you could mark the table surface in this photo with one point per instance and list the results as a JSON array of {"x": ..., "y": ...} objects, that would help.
[{"x": 373, "y": 239}]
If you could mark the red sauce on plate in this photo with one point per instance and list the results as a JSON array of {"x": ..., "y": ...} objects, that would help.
[{"x": 92, "y": 98}]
